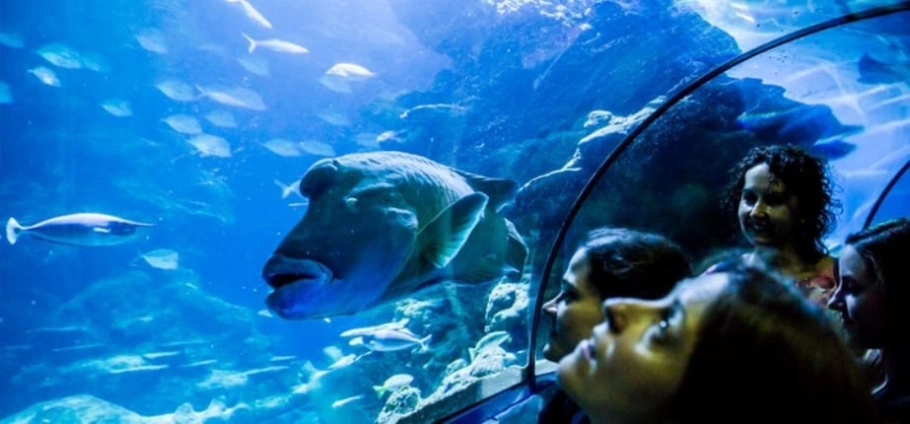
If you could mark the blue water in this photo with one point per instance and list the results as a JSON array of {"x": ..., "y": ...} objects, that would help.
[{"x": 62, "y": 153}]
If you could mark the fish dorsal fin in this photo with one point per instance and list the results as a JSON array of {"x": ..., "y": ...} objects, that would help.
[
  {"x": 500, "y": 191},
  {"x": 444, "y": 236}
]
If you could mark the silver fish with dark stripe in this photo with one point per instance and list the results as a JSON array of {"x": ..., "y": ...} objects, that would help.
[{"x": 80, "y": 229}]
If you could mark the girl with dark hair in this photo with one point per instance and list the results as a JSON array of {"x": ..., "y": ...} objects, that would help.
[
  {"x": 873, "y": 291},
  {"x": 612, "y": 262},
  {"x": 735, "y": 345},
  {"x": 782, "y": 197}
]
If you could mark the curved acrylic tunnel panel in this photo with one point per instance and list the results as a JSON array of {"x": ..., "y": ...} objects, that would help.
[
  {"x": 841, "y": 93},
  {"x": 894, "y": 200},
  {"x": 755, "y": 22}
]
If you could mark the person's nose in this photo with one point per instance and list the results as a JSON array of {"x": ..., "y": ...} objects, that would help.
[
  {"x": 837, "y": 301},
  {"x": 620, "y": 313},
  {"x": 549, "y": 308},
  {"x": 759, "y": 210}
]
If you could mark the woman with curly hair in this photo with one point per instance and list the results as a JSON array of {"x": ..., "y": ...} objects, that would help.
[{"x": 782, "y": 197}]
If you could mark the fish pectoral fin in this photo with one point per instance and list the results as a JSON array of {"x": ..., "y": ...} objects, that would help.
[
  {"x": 445, "y": 235},
  {"x": 500, "y": 191},
  {"x": 101, "y": 230},
  {"x": 516, "y": 250},
  {"x": 482, "y": 271}
]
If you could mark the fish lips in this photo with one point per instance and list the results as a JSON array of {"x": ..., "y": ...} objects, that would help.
[{"x": 295, "y": 282}]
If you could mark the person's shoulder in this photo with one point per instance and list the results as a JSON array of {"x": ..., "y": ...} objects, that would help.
[
  {"x": 826, "y": 265},
  {"x": 560, "y": 409},
  {"x": 826, "y": 269},
  {"x": 894, "y": 410},
  {"x": 723, "y": 265}
]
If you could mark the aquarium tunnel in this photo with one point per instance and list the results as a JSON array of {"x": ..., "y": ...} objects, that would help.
[{"x": 354, "y": 211}]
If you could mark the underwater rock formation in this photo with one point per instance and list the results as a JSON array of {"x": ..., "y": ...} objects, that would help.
[
  {"x": 524, "y": 70},
  {"x": 76, "y": 409}
]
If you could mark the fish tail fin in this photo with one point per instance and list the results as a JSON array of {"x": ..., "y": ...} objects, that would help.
[
  {"x": 12, "y": 230},
  {"x": 380, "y": 390},
  {"x": 309, "y": 368},
  {"x": 424, "y": 346},
  {"x": 252, "y": 42},
  {"x": 286, "y": 190},
  {"x": 202, "y": 93}
]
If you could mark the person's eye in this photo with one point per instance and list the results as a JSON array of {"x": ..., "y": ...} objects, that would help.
[
  {"x": 775, "y": 200},
  {"x": 851, "y": 287},
  {"x": 749, "y": 198},
  {"x": 661, "y": 330}
]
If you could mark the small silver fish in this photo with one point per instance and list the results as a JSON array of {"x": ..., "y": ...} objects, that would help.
[
  {"x": 282, "y": 147},
  {"x": 495, "y": 338},
  {"x": 339, "y": 403},
  {"x": 393, "y": 340},
  {"x": 80, "y": 229},
  {"x": 236, "y": 96},
  {"x": 61, "y": 55},
  {"x": 221, "y": 118},
  {"x": 252, "y": 13},
  {"x": 360, "y": 331},
  {"x": 350, "y": 72},
  {"x": 211, "y": 145},
  {"x": 316, "y": 148},
  {"x": 162, "y": 259},
  {"x": 275, "y": 44},
  {"x": 46, "y": 76},
  {"x": 184, "y": 124},
  {"x": 117, "y": 107},
  {"x": 393, "y": 383},
  {"x": 177, "y": 90}
]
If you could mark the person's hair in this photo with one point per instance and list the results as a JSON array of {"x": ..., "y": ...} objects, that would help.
[
  {"x": 630, "y": 263},
  {"x": 766, "y": 354},
  {"x": 884, "y": 247},
  {"x": 805, "y": 176}
]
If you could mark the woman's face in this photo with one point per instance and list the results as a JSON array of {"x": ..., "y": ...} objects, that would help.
[
  {"x": 766, "y": 213},
  {"x": 630, "y": 368},
  {"x": 574, "y": 311},
  {"x": 860, "y": 299}
]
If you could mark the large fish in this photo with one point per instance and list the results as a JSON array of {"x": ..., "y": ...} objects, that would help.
[
  {"x": 81, "y": 229},
  {"x": 382, "y": 226}
]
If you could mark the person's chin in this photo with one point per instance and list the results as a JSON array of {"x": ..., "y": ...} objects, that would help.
[
  {"x": 551, "y": 352},
  {"x": 760, "y": 240},
  {"x": 568, "y": 373}
]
